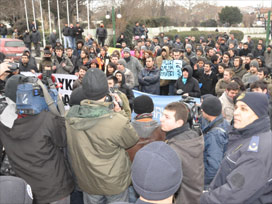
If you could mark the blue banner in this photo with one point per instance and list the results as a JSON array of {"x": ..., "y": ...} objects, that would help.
[
  {"x": 159, "y": 103},
  {"x": 171, "y": 69}
]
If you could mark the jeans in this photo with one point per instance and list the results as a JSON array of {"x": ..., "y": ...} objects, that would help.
[
  {"x": 103, "y": 199},
  {"x": 37, "y": 49},
  {"x": 133, "y": 196},
  {"x": 171, "y": 87},
  {"x": 66, "y": 41},
  {"x": 3, "y": 36}
]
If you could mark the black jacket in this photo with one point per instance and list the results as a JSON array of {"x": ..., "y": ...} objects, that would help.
[
  {"x": 3, "y": 30},
  {"x": 27, "y": 38},
  {"x": 36, "y": 37},
  {"x": 35, "y": 147},
  {"x": 101, "y": 32},
  {"x": 65, "y": 31},
  {"x": 208, "y": 82},
  {"x": 27, "y": 67},
  {"x": 78, "y": 32},
  {"x": 191, "y": 86}
]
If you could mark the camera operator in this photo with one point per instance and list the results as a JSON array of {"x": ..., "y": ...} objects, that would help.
[{"x": 35, "y": 144}]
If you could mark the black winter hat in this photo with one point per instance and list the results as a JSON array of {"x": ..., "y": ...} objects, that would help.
[
  {"x": 258, "y": 102},
  {"x": 212, "y": 106},
  {"x": 14, "y": 190},
  {"x": 95, "y": 84},
  {"x": 11, "y": 86},
  {"x": 156, "y": 171},
  {"x": 143, "y": 104}
]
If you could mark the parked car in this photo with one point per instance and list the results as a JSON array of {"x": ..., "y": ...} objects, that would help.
[{"x": 12, "y": 48}]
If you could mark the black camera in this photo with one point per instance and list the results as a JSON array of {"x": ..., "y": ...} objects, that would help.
[
  {"x": 110, "y": 97},
  {"x": 3, "y": 103}
]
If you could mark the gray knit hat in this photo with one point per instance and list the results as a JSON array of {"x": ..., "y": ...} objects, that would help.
[
  {"x": 126, "y": 49},
  {"x": 254, "y": 63},
  {"x": 122, "y": 62},
  {"x": 156, "y": 171},
  {"x": 188, "y": 46}
]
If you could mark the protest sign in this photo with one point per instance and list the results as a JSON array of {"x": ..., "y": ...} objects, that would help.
[
  {"x": 112, "y": 49},
  {"x": 171, "y": 69}
]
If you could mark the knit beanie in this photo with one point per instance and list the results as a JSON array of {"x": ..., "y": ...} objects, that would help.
[
  {"x": 143, "y": 104},
  {"x": 14, "y": 190},
  {"x": 212, "y": 106},
  {"x": 95, "y": 84},
  {"x": 126, "y": 49},
  {"x": 122, "y": 62},
  {"x": 156, "y": 171},
  {"x": 254, "y": 63},
  {"x": 258, "y": 102},
  {"x": 188, "y": 46}
]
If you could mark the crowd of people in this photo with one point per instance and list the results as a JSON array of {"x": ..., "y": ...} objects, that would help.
[{"x": 98, "y": 153}]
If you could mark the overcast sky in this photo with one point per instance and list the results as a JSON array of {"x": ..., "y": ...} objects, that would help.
[{"x": 244, "y": 3}]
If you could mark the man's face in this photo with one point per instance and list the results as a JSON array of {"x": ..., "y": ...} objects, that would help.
[
  {"x": 232, "y": 93},
  {"x": 149, "y": 63},
  {"x": 59, "y": 53},
  {"x": 253, "y": 70},
  {"x": 198, "y": 53},
  {"x": 168, "y": 121},
  {"x": 243, "y": 115},
  {"x": 185, "y": 74},
  {"x": 81, "y": 73},
  {"x": 225, "y": 58},
  {"x": 176, "y": 55},
  {"x": 226, "y": 76},
  {"x": 126, "y": 54},
  {"x": 247, "y": 60},
  {"x": 261, "y": 75},
  {"x": 268, "y": 49},
  {"x": 93, "y": 65},
  {"x": 110, "y": 83},
  {"x": 211, "y": 52},
  {"x": 79, "y": 46},
  {"x": 69, "y": 52},
  {"x": 245, "y": 47},
  {"x": 120, "y": 67},
  {"x": 119, "y": 77},
  {"x": 188, "y": 49},
  {"x": 200, "y": 64},
  {"x": 207, "y": 68},
  {"x": 114, "y": 60},
  {"x": 259, "y": 47},
  {"x": 236, "y": 62},
  {"x": 25, "y": 59}
]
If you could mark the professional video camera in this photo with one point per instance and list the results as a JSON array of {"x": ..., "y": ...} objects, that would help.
[
  {"x": 194, "y": 112},
  {"x": 3, "y": 103}
]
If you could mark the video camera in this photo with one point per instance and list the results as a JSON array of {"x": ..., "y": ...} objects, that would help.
[
  {"x": 110, "y": 97},
  {"x": 12, "y": 67}
]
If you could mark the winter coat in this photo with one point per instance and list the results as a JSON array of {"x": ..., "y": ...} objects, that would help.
[
  {"x": 189, "y": 146},
  {"x": 52, "y": 39},
  {"x": 239, "y": 72},
  {"x": 227, "y": 106},
  {"x": 244, "y": 52},
  {"x": 159, "y": 61},
  {"x": 97, "y": 153},
  {"x": 101, "y": 32},
  {"x": 3, "y": 30},
  {"x": 129, "y": 78},
  {"x": 191, "y": 86},
  {"x": 27, "y": 38},
  {"x": 148, "y": 131},
  {"x": 36, "y": 37},
  {"x": 215, "y": 140},
  {"x": 220, "y": 87},
  {"x": 256, "y": 53},
  {"x": 27, "y": 67},
  {"x": 149, "y": 80},
  {"x": 246, "y": 170},
  {"x": 35, "y": 147},
  {"x": 208, "y": 82},
  {"x": 135, "y": 66},
  {"x": 268, "y": 59},
  {"x": 137, "y": 31},
  {"x": 65, "y": 31},
  {"x": 78, "y": 32},
  {"x": 72, "y": 32},
  {"x": 67, "y": 69}
]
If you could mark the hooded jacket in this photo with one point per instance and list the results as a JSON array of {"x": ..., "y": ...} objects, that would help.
[
  {"x": 135, "y": 66},
  {"x": 149, "y": 80},
  {"x": 189, "y": 146},
  {"x": 159, "y": 60},
  {"x": 191, "y": 86},
  {"x": 97, "y": 139},
  {"x": 227, "y": 106},
  {"x": 35, "y": 37},
  {"x": 35, "y": 147},
  {"x": 239, "y": 72},
  {"x": 220, "y": 87},
  {"x": 246, "y": 170},
  {"x": 67, "y": 69}
]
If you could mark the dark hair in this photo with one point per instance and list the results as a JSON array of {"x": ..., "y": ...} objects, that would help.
[
  {"x": 59, "y": 48},
  {"x": 233, "y": 86},
  {"x": 181, "y": 111},
  {"x": 239, "y": 82},
  {"x": 226, "y": 53},
  {"x": 230, "y": 71},
  {"x": 111, "y": 65},
  {"x": 264, "y": 70},
  {"x": 240, "y": 60},
  {"x": 258, "y": 84},
  {"x": 222, "y": 65},
  {"x": 214, "y": 58},
  {"x": 84, "y": 68},
  {"x": 111, "y": 77}
]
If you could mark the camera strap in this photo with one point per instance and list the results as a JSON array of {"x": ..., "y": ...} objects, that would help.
[{"x": 49, "y": 101}]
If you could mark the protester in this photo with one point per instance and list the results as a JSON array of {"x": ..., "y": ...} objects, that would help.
[
  {"x": 101, "y": 34},
  {"x": 61, "y": 63},
  {"x": 181, "y": 138},
  {"x": 129, "y": 77},
  {"x": 36, "y": 39}
]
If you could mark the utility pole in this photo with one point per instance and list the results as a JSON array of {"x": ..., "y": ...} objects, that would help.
[
  {"x": 113, "y": 26},
  {"x": 268, "y": 29},
  {"x": 77, "y": 11},
  {"x": 59, "y": 21},
  {"x": 27, "y": 25},
  {"x": 67, "y": 7},
  {"x": 33, "y": 7},
  {"x": 42, "y": 23},
  {"x": 49, "y": 15}
]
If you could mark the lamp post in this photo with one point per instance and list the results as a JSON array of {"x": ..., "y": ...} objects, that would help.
[{"x": 113, "y": 22}]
